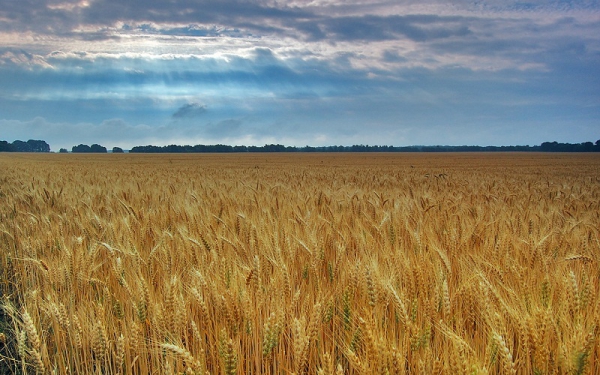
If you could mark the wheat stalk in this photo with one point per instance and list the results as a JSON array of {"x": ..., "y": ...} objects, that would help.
[{"x": 32, "y": 334}]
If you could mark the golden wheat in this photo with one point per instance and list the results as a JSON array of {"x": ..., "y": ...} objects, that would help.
[{"x": 303, "y": 263}]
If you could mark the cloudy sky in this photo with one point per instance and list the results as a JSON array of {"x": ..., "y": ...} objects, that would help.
[{"x": 301, "y": 72}]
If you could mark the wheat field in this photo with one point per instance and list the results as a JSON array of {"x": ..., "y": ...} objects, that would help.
[{"x": 300, "y": 264}]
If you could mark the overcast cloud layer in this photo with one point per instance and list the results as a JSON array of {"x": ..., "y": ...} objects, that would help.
[{"x": 322, "y": 72}]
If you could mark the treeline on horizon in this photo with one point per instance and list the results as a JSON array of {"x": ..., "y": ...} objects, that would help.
[
  {"x": 20, "y": 146},
  {"x": 42, "y": 146},
  {"x": 544, "y": 147}
]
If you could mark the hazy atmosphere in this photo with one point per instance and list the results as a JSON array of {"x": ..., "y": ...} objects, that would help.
[{"x": 127, "y": 73}]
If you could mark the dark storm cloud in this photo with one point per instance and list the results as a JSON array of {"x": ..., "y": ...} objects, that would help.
[
  {"x": 373, "y": 28},
  {"x": 96, "y": 20},
  {"x": 251, "y": 16},
  {"x": 234, "y": 15},
  {"x": 393, "y": 57},
  {"x": 190, "y": 110},
  {"x": 107, "y": 11}
]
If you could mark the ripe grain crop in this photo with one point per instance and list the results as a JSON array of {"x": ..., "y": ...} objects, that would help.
[{"x": 300, "y": 264}]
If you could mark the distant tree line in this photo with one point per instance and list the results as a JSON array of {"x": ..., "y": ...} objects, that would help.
[
  {"x": 545, "y": 147},
  {"x": 354, "y": 148},
  {"x": 570, "y": 147},
  {"x": 211, "y": 148},
  {"x": 95, "y": 148},
  {"x": 42, "y": 146},
  {"x": 20, "y": 146}
]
